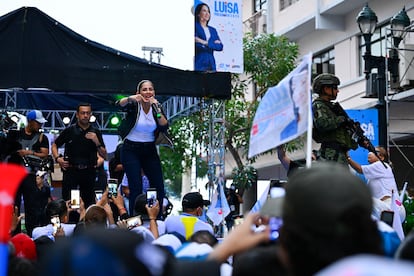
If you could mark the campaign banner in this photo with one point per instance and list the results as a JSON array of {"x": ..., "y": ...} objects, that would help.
[
  {"x": 368, "y": 120},
  {"x": 283, "y": 113},
  {"x": 218, "y": 29}
]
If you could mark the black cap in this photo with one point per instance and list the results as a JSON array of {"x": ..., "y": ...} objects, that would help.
[{"x": 193, "y": 200}]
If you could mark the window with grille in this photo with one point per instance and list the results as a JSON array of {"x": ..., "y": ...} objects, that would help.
[
  {"x": 259, "y": 5},
  {"x": 286, "y": 3},
  {"x": 323, "y": 62}
]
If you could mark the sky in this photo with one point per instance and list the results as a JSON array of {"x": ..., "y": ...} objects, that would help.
[{"x": 126, "y": 25}]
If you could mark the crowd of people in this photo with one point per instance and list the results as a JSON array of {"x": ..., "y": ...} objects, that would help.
[
  {"x": 325, "y": 224},
  {"x": 331, "y": 221}
]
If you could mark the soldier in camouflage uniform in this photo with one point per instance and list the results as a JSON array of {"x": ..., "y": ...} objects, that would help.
[{"x": 329, "y": 128}]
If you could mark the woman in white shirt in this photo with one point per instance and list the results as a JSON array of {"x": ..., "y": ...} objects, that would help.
[
  {"x": 144, "y": 125},
  {"x": 380, "y": 180}
]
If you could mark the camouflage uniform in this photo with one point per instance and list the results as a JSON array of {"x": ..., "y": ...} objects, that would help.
[{"x": 328, "y": 126}]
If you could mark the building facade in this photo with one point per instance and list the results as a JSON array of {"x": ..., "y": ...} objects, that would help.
[{"x": 329, "y": 30}]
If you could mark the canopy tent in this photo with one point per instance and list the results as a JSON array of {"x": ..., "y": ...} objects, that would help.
[{"x": 39, "y": 52}]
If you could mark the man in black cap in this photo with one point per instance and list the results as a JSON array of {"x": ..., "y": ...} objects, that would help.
[{"x": 188, "y": 222}]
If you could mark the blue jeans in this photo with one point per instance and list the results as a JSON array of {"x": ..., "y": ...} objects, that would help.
[{"x": 142, "y": 155}]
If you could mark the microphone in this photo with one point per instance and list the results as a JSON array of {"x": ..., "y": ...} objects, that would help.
[{"x": 157, "y": 109}]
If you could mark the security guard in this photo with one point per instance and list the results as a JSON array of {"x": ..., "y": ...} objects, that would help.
[{"x": 329, "y": 127}]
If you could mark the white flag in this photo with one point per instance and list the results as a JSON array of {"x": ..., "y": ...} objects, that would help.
[
  {"x": 282, "y": 114},
  {"x": 397, "y": 224},
  {"x": 261, "y": 201},
  {"x": 219, "y": 207},
  {"x": 403, "y": 191}
]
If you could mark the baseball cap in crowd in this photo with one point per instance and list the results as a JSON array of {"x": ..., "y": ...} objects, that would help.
[
  {"x": 170, "y": 241},
  {"x": 24, "y": 246},
  {"x": 40, "y": 173},
  {"x": 193, "y": 251},
  {"x": 37, "y": 116},
  {"x": 193, "y": 200}
]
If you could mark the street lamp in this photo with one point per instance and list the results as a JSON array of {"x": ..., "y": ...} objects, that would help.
[
  {"x": 399, "y": 22},
  {"x": 367, "y": 21}
]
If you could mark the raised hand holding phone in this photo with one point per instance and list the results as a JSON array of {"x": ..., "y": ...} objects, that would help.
[
  {"x": 112, "y": 187},
  {"x": 133, "y": 222},
  {"x": 55, "y": 220},
  {"x": 153, "y": 210},
  {"x": 151, "y": 196}
]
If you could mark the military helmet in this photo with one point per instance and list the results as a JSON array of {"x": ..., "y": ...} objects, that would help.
[{"x": 324, "y": 79}]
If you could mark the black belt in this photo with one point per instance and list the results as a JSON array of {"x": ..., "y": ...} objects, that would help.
[
  {"x": 133, "y": 143},
  {"x": 81, "y": 166}
]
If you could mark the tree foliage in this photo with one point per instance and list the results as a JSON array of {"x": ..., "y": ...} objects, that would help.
[
  {"x": 189, "y": 136},
  {"x": 267, "y": 60}
]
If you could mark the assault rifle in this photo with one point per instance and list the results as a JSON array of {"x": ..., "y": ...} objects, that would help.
[{"x": 357, "y": 132}]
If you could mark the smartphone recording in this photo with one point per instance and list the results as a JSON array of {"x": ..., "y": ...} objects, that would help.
[
  {"x": 98, "y": 195},
  {"x": 387, "y": 217},
  {"x": 55, "y": 220},
  {"x": 112, "y": 187},
  {"x": 274, "y": 224},
  {"x": 75, "y": 199},
  {"x": 151, "y": 196},
  {"x": 133, "y": 222}
]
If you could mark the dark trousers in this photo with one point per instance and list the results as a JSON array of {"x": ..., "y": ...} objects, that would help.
[
  {"x": 84, "y": 180},
  {"x": 27, "y": 189},
  {"x": 137, "y": 155}
]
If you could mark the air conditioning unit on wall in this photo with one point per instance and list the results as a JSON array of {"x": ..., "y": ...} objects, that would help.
[
  {"x": 371, "y": 90},
  {"x": 406, "y": 55},
  {"x": 261, "y": 24}
]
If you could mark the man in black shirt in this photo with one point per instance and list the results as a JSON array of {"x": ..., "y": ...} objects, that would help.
[
  {"x": 82, "y": 144},
  {"x": 234, "y": 200},
  {"x": 28, "y": 147}
]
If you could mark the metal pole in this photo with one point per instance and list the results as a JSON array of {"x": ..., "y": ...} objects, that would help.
[{"x": 382, "y": 104}]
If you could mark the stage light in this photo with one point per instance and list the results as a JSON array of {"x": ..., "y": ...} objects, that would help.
[
  {"x": 115, "y": 120},
  {"x": 66, "y": 120}
]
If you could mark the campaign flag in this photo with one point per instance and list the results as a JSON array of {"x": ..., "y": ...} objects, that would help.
[
  {"x": 10, "y": 177},
  {"x": 261, "y": 201},
  {"x": 283, "y": 113},
  {"x": 219, "y": 207},
  {"x": 397, "y": 224}
]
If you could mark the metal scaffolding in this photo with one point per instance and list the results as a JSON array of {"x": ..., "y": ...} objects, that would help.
[
  {"x": 55, "y": 122},
  {"x": 214, "y": 111},
  {"x": 216, "y": 147}
]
